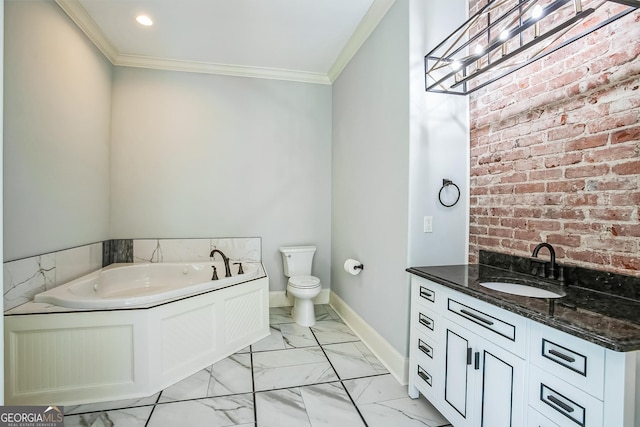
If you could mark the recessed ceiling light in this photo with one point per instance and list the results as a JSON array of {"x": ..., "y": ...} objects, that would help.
[{"x": 144, "y": 20}]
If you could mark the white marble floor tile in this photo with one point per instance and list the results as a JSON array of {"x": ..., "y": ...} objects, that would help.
[
  {"x": 403, "y": 412},
  {"x": 291, "y": 368},
  {"x": 107, "y": 406},
  {"x": 231, "y": 375},
  {"x": 333, "y": 332},
  {"x": 278, "y": 315},
  {"x": 193, "y": 387},
  {"x": 211, "y": 412},
  {"x": 353, "y": 360},
  {"x": 328, "y": 405},
  {"x": 375, "y": 389},
  {"x": 127, "y": 417},
  {"x": 325, "y": 312},
  {"x": 286, "y": 335},
  {"x": 281, "y": 408}
]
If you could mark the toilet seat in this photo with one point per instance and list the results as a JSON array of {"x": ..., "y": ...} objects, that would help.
[{"x": 304, "y": 282}]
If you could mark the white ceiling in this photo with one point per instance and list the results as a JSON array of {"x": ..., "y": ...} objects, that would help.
[{"x": 300, "y": 40}]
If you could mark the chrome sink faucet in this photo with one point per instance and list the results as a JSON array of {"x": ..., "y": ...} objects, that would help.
[
  {"x": 227, "y": 268},
  {"x": 553, "y": 267}
]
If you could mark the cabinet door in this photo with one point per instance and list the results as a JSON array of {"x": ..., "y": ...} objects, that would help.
[
  {"x": 501, "y": 396},
  {"x": 457, "y": 386}
]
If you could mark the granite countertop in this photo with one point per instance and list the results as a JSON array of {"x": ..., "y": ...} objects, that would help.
[{"x": 608, "y": 320}]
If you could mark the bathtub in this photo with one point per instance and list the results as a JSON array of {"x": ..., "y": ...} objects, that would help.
[
  {"x": 130, "y": 330},
  {"x": 137, "y": 285}
]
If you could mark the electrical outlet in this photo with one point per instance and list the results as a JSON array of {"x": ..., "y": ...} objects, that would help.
[{"x": 428, "y": 224}]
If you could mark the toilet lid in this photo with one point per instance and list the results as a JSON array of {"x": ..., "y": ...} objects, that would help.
[{"x": 304, "y": 281}]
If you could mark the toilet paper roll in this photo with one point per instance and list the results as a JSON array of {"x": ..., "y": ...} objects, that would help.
[{"x": 353, "y": 266}]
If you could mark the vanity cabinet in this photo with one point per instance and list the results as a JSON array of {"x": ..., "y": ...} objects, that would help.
[
  {"x": 481, "y": 365},
  {"x": 470, "y": 376}
]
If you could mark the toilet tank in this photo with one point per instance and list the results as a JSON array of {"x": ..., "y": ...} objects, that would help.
[{"x": 297, "y": 260}]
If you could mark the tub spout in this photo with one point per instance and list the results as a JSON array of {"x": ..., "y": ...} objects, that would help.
[{"x": 227, "y": 268}]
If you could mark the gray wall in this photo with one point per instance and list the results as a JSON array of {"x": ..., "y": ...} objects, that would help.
[
  {"x": 195, "y": 155},
  {"x": 57, "y": 95},
  {"x": 371, "y": 178},
  {"x": 392, "y": 145},
  {"x": 1, "y": 181},
  {"x": 439, "y": 144}
]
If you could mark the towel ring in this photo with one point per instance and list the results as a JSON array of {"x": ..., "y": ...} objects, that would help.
[{"x": 445, "y": 184}]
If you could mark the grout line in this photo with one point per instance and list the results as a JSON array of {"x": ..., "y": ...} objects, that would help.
[
  {"x": 340, "y": 380},
  {"x": 253, "y": 388},
  {"x": 153, "y": 408}
]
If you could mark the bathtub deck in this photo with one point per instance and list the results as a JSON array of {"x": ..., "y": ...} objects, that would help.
[{"x": 297, "y": 376}]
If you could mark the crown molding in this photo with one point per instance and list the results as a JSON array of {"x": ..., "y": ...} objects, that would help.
[
  {"x": 81, "y": 18},
  {"x": 369, "y": 22},
  {"x": 221, "y": 69},
  {"x": 372, "y": 18}
]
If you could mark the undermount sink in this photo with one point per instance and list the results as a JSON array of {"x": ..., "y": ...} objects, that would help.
[{"x": 522, "y": 290}]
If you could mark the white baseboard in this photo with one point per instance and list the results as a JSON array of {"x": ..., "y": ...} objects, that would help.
[
  {"x": 281, "y": 299},
  {"x": 396, "y": 363}
]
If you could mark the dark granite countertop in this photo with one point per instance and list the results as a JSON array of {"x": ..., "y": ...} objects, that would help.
[{"x": 609, "y": 320}]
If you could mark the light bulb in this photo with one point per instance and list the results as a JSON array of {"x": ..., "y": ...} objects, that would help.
[
  {"x": 144, "y": 20},
  {"x": 537, "y": 11},
  {"x": 456, "y": 65},
  {"x": 479, "y": 50},
  {"x": 504, "y": 35}
]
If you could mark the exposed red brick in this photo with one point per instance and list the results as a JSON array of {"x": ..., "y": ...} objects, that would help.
[
  {"x": 627, "y": 263},
  {"x": 585, "y": 143},
  {"x": 586, "y": 171},
  {"x": 627, "y": 168},
  {"x": 629, "y": 134},
  {"x": 566, "y": 186},
  {"x": 564, "y": 240},
  {"x": 611, "y": 214}
]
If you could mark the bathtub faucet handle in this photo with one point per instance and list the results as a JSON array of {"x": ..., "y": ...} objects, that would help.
[
  {"x": 215, "y": 273},
  {"x": 240, "y": 270}
]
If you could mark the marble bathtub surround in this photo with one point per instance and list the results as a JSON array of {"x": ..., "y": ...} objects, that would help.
[
  {"x": 24, "y": 278},
  {"x": 274, "y": 383},
  {"x": 176, "y": 250}
]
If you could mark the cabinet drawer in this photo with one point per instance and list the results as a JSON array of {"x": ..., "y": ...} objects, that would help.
[
  {"x": 578, "y": 362},
  {"x": 426, "y": 293},
  {"x": 498, "y": 326},
  {"x": 561, "y": 402},
  {"x": 536, "y": 419},
  {"x": 425, "y": 322}
]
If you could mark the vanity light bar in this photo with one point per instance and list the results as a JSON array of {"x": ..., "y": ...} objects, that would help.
[{"x": 449, "y": 69}]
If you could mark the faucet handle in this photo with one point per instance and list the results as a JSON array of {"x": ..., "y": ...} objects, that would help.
[
  {"x": 215, "y": 273},
  {"x": 240, "y": 270}
]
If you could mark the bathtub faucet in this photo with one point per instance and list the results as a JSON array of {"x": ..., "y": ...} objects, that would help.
[{"x": 227, "y": 268}]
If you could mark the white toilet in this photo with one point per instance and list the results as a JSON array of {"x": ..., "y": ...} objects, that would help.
[{"x": 297, "y": 262}]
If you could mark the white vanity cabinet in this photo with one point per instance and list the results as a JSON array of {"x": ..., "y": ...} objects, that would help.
[
  {"x": 471, "y": 376},
  {"x": 481, "y": 365}
]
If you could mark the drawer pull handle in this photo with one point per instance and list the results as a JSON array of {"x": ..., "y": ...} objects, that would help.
[
  {"x": 424, "y": 348},
  {"x": 425, "y": 321},
  {"x": 476, "y": 357},
  {"x": 475, "y": 316},
  {"x": 422, "y": 374},
  {"x": 424, "y": 293},
  {"x": 469, "y": 352},
  {"x": 562, "y": 356},
  {"x": 560, "y": 403}
]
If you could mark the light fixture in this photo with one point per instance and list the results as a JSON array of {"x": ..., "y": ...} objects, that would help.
[
  {"x": 502, "y": 22},
  {"x": 144, "y": 20}
]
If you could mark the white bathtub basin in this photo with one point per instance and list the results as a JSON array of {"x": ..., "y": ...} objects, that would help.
[
  {"x": 522, "y": 290},
  {"x": 136, "y": 285}
]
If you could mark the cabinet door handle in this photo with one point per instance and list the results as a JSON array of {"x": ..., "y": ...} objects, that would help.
[
  {"x": 562, "y": 356},
  {"x": 475, "y": 316},
  {"x": 560, "y": 403},
  {"x": 476, "y": 357},
  {"x": 469, "y": 352}
]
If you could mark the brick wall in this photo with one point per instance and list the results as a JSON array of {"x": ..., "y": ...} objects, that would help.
[{"x": 555, "y": 154}]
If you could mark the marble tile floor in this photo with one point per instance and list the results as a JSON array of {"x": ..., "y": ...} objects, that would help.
[{"x": 322, "y": 376}]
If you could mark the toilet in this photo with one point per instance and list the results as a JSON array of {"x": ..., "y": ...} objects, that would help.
[{"x": 297, "y": 262}]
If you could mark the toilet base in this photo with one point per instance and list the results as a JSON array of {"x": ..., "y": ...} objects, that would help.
[{"x": 303, "y": 312}]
